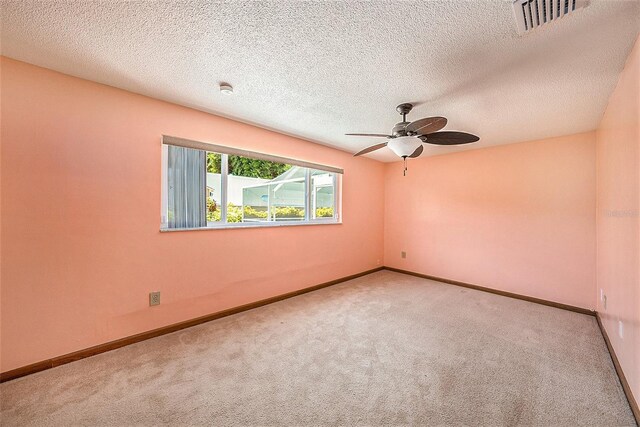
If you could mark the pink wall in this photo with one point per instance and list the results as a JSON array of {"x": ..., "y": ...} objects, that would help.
[
  {"x": 618, "y": 218},
  {"x": 519, "y": 218},
  {"x": 81, "y": 245},
  {"x": 80, "y": 180}
]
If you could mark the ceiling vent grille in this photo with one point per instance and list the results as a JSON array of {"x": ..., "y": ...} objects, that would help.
[{"x": 531, "y": 14}]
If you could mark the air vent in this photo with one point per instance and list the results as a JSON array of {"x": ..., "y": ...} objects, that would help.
[{"x": 531, "y": 14}]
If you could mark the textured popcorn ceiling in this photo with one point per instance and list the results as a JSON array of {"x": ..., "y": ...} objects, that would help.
[{"x": 319, "y": 70}]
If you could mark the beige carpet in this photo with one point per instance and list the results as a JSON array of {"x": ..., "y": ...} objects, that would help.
[{"x": 385, "y": 349}]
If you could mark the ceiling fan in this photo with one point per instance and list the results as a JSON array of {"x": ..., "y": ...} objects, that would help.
[{"x": 406, "y": 138}]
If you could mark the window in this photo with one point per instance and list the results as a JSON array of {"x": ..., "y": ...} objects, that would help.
[{"x": 210, "y": 186}]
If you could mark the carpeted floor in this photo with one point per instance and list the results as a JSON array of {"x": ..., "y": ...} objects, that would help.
[{"x": 385, "y": 349}]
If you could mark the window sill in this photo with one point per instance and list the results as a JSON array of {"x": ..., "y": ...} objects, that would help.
[{"x": 251, "y": 225}]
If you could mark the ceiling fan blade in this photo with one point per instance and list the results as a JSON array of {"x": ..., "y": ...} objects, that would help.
[
  {"x": 376, "y": 135},
  {"x": 418, "y": 151},
  {"x": 371, "y": 148},
  {"x": 449, "y": 138},
  {"x": 426, "y": 125}
]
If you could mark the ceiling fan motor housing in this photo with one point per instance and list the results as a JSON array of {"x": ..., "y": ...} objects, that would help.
[{"x": 399, "y": 129}]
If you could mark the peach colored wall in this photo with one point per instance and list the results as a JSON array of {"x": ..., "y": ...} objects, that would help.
[
  {"x": 81, "y": 246},
  {"x": 618, "y": 218},
  {"x": 519, "y": 218}
]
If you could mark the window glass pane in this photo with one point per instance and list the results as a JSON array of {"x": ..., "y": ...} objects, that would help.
[
  {"x": 254, "y": 202},
  {"x": 287, "y": 198},
  {"x": 322, "y": 194},
  {"x": 213, "y": 192},
  {"x": 260, "y": 191}
]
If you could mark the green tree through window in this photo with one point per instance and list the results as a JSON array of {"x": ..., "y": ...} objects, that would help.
[{"x": 243, "y": 166}]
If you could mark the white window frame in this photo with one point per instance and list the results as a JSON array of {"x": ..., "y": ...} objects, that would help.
[{"x": 224, "y": 174}]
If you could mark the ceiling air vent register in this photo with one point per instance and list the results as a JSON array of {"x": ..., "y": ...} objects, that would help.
[{"x": 531, "y": 14}]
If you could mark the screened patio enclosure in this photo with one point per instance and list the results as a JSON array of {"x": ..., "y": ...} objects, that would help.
[{"x": 284, "y": 197}]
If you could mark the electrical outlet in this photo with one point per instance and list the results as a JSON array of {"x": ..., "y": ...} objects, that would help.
[
  {"x": 620, "y": 329},
  {"x": 154, "y": 298},
  {"x": 403, "y": 254}
]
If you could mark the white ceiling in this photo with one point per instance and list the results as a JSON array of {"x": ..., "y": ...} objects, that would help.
[{"x": 319, "y": 70}]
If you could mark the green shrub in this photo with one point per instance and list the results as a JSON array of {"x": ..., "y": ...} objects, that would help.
[
  {"x": 234, "y": 213},
  {"x": 250, "y": 212},
  {"x": 289, "y": 212},
  {"x": 324, "y": 212},
  {"x": 213, "y": 212}
]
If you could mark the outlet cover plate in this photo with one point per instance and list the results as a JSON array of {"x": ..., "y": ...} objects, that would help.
[
  {"x": 154, "y": 298},
  {"x": 620, "y": 329}
]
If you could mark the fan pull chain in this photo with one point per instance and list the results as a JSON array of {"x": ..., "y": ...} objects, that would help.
[{"x": 404, "y": 173}]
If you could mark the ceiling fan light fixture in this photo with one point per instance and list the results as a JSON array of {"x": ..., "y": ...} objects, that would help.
[{"x": 404, "y": 146}]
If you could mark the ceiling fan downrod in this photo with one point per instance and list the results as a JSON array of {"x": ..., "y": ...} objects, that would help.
[{"x": 404, "y": 109}]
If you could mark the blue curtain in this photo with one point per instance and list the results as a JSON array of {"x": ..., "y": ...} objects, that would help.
[{"x": 187, "y": 177}]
